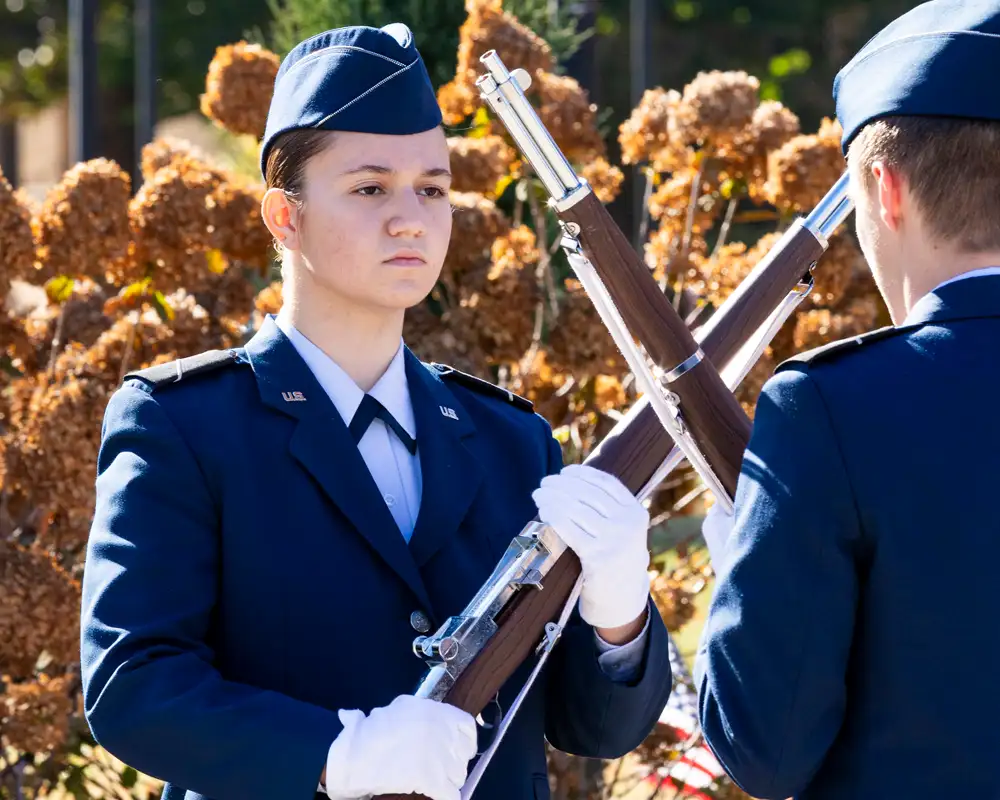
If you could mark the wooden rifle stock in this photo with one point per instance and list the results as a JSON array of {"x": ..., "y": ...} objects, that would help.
[{"x": 716, "y": 420}]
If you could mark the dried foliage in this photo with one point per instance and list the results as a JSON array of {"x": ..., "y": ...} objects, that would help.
[
  {"x": 715, "y": 107},
  {"x": 489, "y": 27},
  {"x": 478, "y": 164},
  {"x": 39, "y": 611},
  {"x": 17, "y": 248},
  {"x": 84, "y": 221},
  {"x": 804, "y": 169},
  {"x": 568, "y": 114},
  {"x": 239, "y": 86},
  {"x": 35, "y": 715}
]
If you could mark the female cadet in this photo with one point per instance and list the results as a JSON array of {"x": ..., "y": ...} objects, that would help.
[{"x": 274, "y": 522}]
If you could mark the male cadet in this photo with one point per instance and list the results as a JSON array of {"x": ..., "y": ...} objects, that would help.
[{"x": 852, "y": 647}]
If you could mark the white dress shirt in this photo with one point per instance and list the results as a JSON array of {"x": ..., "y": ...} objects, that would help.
[{"x": 397, "y": 473}]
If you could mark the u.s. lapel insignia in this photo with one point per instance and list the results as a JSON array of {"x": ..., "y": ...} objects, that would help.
[
  {"x": 448, "y": 412},
  {"x": 293, "y": 397}
]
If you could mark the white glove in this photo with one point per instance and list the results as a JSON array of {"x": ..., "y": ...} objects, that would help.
[
  {"x": 411, "y": 746},
  {"x": 606, "y": 526},
  {"x": 716, "y": 529}
]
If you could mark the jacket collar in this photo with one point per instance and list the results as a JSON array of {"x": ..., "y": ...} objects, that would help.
[
  {"x": 321, "y": 443},
  {"x": 971, "y": 297}
]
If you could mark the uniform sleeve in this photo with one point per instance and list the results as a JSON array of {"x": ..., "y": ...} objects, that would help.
[
  {"x": 591, "y": 710},
  {"x": 773, "y": 657},
  {"x": 152, "y": 696}
]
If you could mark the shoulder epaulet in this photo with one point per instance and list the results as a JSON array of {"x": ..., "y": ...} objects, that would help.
[
  {"x": 175, "y": 371},
  {"x": 484, "y": 387},
  {"x": 841, "y": 346}
]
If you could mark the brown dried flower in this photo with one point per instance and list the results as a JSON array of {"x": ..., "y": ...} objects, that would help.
[
  {"x": 476, "y": 223},
  {"x": 804, "y": 169},
  {"x": 821, "y": 325},
  {"x": 239, "y": 231},
  {"x": 34, "y": 715},
  {"x": 489, "y": 27},
  {"x": 39, "y": 611},
  {"x": 604, "y": 179},
  {"x": 579, "y": 343},
  {"x": 163, "y": 151},
  {"x": 715, "y": 107},
  {"x": 84, "y": 221},
  {"x": 239, "y": 86},
  {"x": 504, "y": 298},
  {"x": 478, "y": 164},
  {"x": 445, "y": 338},
  {"x": 568, "y": 115},
  {"x": 17, "y": 247},
  {"x": 646, "y": 133}
]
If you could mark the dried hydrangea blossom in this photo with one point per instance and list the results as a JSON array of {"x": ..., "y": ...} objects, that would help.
[
  {"x": 504, "y": 296},
  {"x": 804, "y": 169},
  {"x": 478, "y": 164},
  {"x": 38, "y": 611},
  {"x": 579, "y": 343},
  {"x": 647, "y": 130},
  {"x": 84, "y": 221},
  {"x": 476, "y": 224},
  {"x": 604, "y": 179},
  {"x": 35, "y": 715},
  {"x": 239, "y": 86},
  {"x": 568, "y": 115},
  {"x": 715, "y": 107},
  {"x": 17, "y": 247}
]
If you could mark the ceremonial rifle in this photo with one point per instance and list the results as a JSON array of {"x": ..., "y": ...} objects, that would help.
[{"x": 474, "y": 653}]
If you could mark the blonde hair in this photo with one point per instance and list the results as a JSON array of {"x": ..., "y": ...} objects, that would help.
[{"x": 952, "y": 167}]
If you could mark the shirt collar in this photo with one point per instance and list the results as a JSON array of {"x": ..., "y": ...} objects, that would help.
[{"x": 391, "y": 389}]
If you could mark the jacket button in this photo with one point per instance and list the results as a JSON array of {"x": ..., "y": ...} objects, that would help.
[{"x": 420, "y": 622}]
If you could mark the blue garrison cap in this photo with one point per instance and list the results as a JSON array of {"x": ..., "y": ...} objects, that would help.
[
  {"x": 369, "y": 80},
  {"x": 937, "y": 60}
]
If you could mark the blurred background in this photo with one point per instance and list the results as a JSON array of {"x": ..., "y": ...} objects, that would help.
[
  {"x": 130, "y": 235},
  {"x": 88, "y": 78}
]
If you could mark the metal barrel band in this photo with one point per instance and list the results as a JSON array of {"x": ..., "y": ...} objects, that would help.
[{"x": 685, "y": 366}]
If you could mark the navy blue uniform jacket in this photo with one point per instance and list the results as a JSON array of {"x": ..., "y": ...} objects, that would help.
[
  {"x": 852, "y": 648},
  {"x": 245, "y": 579}
]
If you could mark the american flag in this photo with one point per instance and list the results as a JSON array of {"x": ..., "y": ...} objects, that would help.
[{"x": 697, "y": 768}]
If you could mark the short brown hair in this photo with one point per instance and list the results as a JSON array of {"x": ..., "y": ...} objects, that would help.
[
  {"x": 952, "y": 167},
  {"x": 286, "y": 162}
]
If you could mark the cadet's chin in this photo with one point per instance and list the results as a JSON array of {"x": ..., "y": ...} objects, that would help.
[{"x": 406, "y": 293}]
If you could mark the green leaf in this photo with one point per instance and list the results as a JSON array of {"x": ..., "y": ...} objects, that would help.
[
  {"x": 129, "y": 777},
  {"x": 163, "y": 308},
  {"x": 60, "y": 288}
]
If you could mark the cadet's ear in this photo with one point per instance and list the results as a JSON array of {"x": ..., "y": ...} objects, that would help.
[
  {"x": 889, "y": 191},
  {"x": 280, "y": 216}
]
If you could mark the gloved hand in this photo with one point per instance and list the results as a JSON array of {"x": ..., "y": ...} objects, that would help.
[
  {"x": 716, "y": 529},
  {"x": 606, "y": 526},
  {"x": 411, "y": 746}
]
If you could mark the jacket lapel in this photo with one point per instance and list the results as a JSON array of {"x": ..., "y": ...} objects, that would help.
[
  {"x": 322, "y": 445},
  {"x": 450, "y": 473},
  {"x": 967, "y": 298}
]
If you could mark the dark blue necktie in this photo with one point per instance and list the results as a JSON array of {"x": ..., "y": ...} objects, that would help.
[{"x": 367, "y": 411}]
